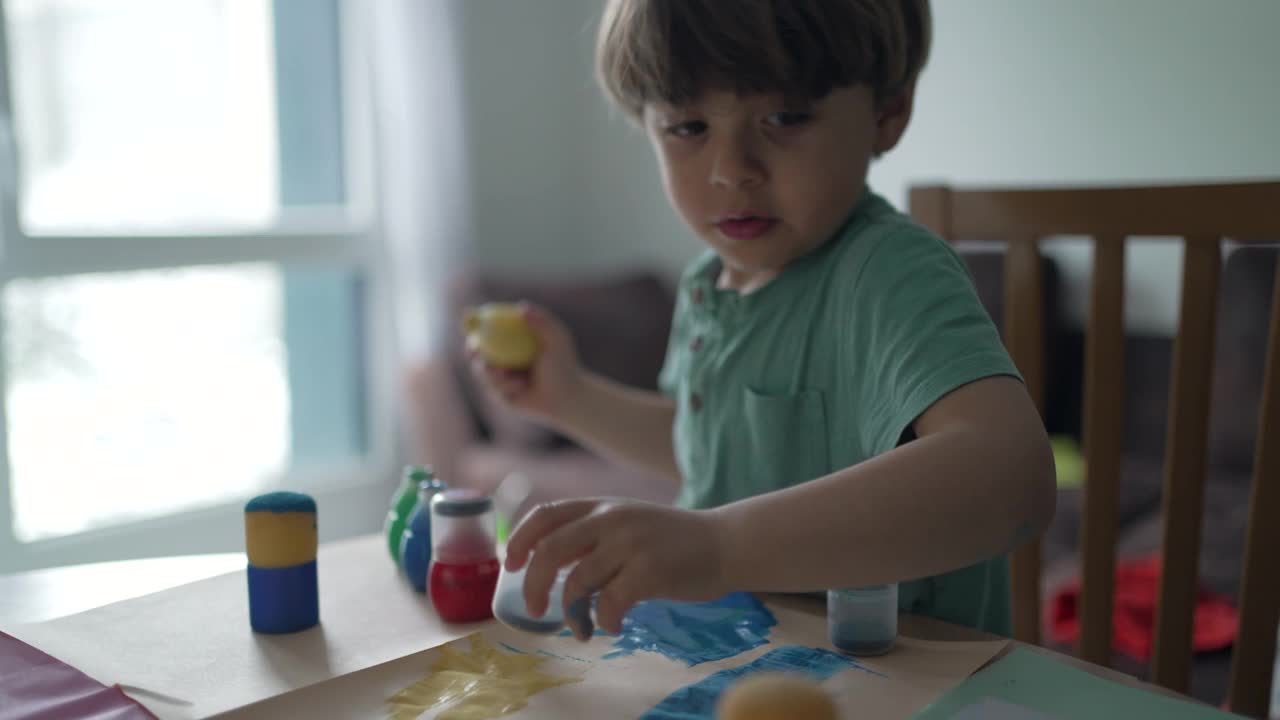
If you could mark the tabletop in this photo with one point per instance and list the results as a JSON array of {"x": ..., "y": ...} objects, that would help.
[{"x": 39, "y": 595}]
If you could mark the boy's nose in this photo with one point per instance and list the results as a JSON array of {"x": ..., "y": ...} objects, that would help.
[{"x": 734, "y": 165}]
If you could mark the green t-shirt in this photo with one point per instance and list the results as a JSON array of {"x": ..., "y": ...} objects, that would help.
[{"x": 826, "y": 366}]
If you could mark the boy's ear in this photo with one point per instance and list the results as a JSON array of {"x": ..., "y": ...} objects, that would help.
[{"x": 892, "y": 117}]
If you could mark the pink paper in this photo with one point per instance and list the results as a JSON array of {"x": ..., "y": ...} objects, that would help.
[{"x": 36, "y": 686}]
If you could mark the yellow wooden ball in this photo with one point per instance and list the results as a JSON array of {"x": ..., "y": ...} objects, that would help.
[
  {"x": 776, "y": 696},
  {"x": 502, "y": 335}
]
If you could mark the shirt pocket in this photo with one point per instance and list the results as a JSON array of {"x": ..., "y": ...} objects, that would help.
[{"x": 785, "y": 438}]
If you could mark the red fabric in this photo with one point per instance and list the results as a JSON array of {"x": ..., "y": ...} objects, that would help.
[
  {"x": 1137, "y": 587},
  {"x": 36, "y": 686}
]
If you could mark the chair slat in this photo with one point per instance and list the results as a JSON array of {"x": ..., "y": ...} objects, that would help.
[
  {"x": 1103, "y": 430},
  {"x": 1251, "y": 663},
  {"x": 1024, "y": 335},
  {"x": 1242, "y": 210},
  {"x": 1185, "y": 461},
  {"x": 931, "y": 207}
]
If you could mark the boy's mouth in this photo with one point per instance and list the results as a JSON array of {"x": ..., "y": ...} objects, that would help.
[{"x": 745, "y": 227}]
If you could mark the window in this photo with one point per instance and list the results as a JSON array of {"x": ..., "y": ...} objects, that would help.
[{"x": 185, "y": 285}]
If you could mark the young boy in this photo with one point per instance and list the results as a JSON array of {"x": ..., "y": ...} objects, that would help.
[{"x": 836, "y": 403}]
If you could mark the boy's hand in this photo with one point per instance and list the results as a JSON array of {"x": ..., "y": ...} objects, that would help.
[
  {"x": 547, "y": 387},
  {"x": 626, "y": 551}
]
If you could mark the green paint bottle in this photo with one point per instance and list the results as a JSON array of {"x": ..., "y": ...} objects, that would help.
[{"x": 402, "y": 504}]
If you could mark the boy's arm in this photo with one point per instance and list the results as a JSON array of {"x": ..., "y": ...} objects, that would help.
[
  {"x": 978, "y": 481},
  {"x": 626, "y": 424},
  {"x": 629, "y": 425}
]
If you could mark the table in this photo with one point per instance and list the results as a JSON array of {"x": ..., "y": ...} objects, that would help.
[{"x": 40, "y": 595}]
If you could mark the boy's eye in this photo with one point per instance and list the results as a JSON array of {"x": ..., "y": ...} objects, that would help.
[
  {"x": 692, "y": 128},
  {"x": 789, "y": 118}
]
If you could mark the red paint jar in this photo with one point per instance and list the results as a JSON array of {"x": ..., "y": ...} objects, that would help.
[{"x": 464, "y": 556}]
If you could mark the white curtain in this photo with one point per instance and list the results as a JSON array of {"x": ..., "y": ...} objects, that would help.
[{"x": 423, "y": 183}]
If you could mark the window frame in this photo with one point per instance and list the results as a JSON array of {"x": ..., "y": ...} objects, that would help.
[{"x": 350, "y": 237}]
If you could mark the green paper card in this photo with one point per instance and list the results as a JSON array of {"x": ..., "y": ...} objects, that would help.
[{"x": 1026, "y": 684}]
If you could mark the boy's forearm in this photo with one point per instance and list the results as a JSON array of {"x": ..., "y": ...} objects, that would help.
[
  {"x": 937, "y": 504},
  {"x": 626, "y": 424}
]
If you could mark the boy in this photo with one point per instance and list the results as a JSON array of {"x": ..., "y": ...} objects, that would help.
[{"x": 836, "y": 403}]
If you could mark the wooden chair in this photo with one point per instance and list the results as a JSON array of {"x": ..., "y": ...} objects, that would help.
[{"x": 1203, "y": 216}]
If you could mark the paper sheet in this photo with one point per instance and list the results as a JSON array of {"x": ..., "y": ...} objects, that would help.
[
  {"x": 1042, "y": 686},
  {"x": 901, "y": 683},
  {"x": 188, "y": 652}
]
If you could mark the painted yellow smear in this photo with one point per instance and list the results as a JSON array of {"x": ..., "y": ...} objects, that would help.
[{"x": 477, "y": 684}]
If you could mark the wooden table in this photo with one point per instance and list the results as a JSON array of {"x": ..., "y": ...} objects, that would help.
[{"x": 39, "y": 595}]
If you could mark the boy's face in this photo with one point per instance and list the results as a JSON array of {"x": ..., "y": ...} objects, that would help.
[{"x": 763, "y": 181}]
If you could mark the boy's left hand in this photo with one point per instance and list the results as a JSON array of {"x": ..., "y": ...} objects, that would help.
[{"x": 626, "y": 551}]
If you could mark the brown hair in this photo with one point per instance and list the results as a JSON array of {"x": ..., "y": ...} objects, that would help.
[{"x": 670, "y": 51}]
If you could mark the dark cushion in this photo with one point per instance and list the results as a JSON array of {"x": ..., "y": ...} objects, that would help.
[
  {"x": 620, "y": 326},
  {"x": 1248, "y": 280}
]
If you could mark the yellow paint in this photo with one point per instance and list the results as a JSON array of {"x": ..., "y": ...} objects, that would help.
[
  {"x": 502, "y": 335},
  {"x": 279, "y": 539},
  {"x": 477, "y": 684}
]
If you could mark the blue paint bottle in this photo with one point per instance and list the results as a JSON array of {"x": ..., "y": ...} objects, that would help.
[
  {"x": 863, "y": 621},
  {"x": 415, "y": 542}
]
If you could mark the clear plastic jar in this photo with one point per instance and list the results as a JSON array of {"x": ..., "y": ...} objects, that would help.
[
  {"x": 464, "y": 556},
  {"x": 863, "y": 621}
]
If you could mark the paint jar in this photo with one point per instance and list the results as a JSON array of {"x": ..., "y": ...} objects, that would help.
[
  {"x": 509, "y": 606},
  {"x": 464, "y": 556},
  {"x": 402, "y": 504},
  {"x": 863, "y": 621},
  {"x": 415, "y": 541}
]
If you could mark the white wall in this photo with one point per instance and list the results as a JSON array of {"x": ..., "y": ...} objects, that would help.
[
  {"x": 1017, "y": 91},
  {"x": 561, "y": 183},
  {"x": 1094, "y": 91}
]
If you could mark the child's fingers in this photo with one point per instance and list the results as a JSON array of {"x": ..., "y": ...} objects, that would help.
[
  {"x": 595, "y": 570},
  {"x": 540, "y": 522},
  {"x": 617, "y": 598},
  {"x": 507, "y": 383},
  {"x": 562, "y": 546},
  {"x": 578, "y": 617},
  {"x": 548, "y": 329}
]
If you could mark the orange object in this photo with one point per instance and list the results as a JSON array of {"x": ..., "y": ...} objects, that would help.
[{"x": 776, "y": 696}]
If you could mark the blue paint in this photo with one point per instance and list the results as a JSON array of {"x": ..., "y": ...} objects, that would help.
[
  {"x": 695, "y": 633},
  {"x": 517, "y": 651},
  {"x": 698, "y": 701},
  {"x": 281, "y": 502},
  {"x": 283, "y": 600}
]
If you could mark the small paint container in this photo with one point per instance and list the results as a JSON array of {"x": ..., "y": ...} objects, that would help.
[
  {"x": 281, "y": 543},
  {"x": 863, "y": 621},
  {"x": 509, "y": 606},
  {"x": 464, "y": 568}
]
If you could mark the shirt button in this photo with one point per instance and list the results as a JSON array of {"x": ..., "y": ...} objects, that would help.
[
  {"x": 695, "y": 402},
  {"x": 696, "y": 344}
]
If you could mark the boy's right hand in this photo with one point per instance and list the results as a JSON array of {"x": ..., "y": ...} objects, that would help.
[{"x": 546, "y": 388}]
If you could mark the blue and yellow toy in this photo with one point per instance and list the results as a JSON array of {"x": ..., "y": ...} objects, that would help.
[{"x": 280, "y": 540}]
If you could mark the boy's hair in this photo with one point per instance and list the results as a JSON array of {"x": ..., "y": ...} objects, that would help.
[{"x": 670, "y": 51}]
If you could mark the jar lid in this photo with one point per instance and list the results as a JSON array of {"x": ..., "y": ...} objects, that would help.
[
  {"x": 460, "y": 503},
  {"x": 419, "y": 473}
]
